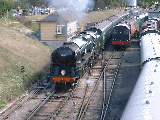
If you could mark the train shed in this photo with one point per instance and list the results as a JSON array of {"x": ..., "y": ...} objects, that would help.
[{"x": 60, "y": 25}]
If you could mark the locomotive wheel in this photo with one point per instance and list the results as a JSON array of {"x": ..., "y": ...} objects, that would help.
[
  {"x": 52, "y": 83},
  {"x": 58, "y": 85}
]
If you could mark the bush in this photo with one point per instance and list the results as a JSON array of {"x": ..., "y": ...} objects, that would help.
[{"x": 24, "y": 20}]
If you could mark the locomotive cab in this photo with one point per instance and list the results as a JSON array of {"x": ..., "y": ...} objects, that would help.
[{"x": 121, "y": 35}]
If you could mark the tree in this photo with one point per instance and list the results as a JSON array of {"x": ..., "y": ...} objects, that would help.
[
  {"x": 149, "y": 2},
  {"x": 23, "y": 4},
  {"x": 122, "y": 3},
  {"x": 39, "y": 3},
  {"x": 6, "y": 5}
]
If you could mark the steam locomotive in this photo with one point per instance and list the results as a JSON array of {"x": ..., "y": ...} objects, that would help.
[
  {"x": 70, "y": 61},
  {"x": 143, "y": 103}
]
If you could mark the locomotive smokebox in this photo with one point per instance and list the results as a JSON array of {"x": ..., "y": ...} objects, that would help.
[{"x": 65, "y": 55}]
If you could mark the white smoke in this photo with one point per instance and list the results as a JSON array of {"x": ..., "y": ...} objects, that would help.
[{"x": 79, "y": 6}]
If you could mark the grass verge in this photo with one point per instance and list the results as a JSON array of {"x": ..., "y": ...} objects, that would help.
[{"x": 16, "y": 50}]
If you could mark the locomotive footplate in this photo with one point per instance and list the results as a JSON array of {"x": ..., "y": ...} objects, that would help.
[
  {"x": 64, "y": 79},
  {"x": 123, "y": 43}
]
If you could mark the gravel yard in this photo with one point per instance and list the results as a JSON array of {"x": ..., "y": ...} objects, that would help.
[{"x": 53, "y": 44}]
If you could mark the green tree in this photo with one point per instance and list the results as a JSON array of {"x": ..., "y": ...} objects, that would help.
[
  {"x": 6, "y": 5},
  {"x": 122, "y": 3},
  {"x": 149, "y": 2},
  {"x": 114, "y": 3},
  {"x": 23, "y": 4},
  {"x": 39, "y": 3}
]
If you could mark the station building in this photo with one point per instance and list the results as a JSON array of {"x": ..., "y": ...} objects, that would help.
[{"x": 60, "y": 25}]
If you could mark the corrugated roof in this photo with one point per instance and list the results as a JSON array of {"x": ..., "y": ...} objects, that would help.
[{"x": 61, "y": 15}]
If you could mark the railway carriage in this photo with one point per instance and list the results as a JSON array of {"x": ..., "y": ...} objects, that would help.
[
  {"x": 142, "y": 18},
  {"x": 106, "y": 31},
  {"x": 115, "y": 19},
  {"x": 150, "y": 46},
  {"x": 152, "y": 23},
  {"x": 143, "y": 103},
  {"x": 131, "y": 3}
]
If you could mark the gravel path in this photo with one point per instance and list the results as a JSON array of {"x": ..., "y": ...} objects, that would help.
[{"x": 53, "y": 44}]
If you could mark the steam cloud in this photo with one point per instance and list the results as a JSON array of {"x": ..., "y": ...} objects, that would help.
[{"x": 79, "y": 6}]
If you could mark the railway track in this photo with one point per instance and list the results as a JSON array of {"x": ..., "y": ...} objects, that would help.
[
  {"x": 18, "y": 103},
  {"x": 50, "y": 107},
  {"x": 81, "y": 104},
  {"x": 38, "y": 107},
  {"x": 127, "y": 77},
  {"x": 54, "y": 108},
  {"x": 101, "y": 71},
  {"x": 102, "y": 90},
  {"x": 85, "y": 100},
  {"x": 108, "y": 83}
]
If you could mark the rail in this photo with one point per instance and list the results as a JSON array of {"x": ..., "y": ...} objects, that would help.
[
  {"x": 106, "y": 104},
  {"x": 84, "y": 106}
]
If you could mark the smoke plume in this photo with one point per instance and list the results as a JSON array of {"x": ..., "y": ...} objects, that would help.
[{"x": 80, "y": 6}]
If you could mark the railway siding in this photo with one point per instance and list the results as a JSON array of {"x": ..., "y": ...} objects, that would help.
[{"x": 126, "y": 80}]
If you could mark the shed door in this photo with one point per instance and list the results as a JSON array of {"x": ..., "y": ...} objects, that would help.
[{"x": 48, "y": 31}]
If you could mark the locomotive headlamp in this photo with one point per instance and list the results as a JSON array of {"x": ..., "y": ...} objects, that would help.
[{"x": 63, "y": 72}]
